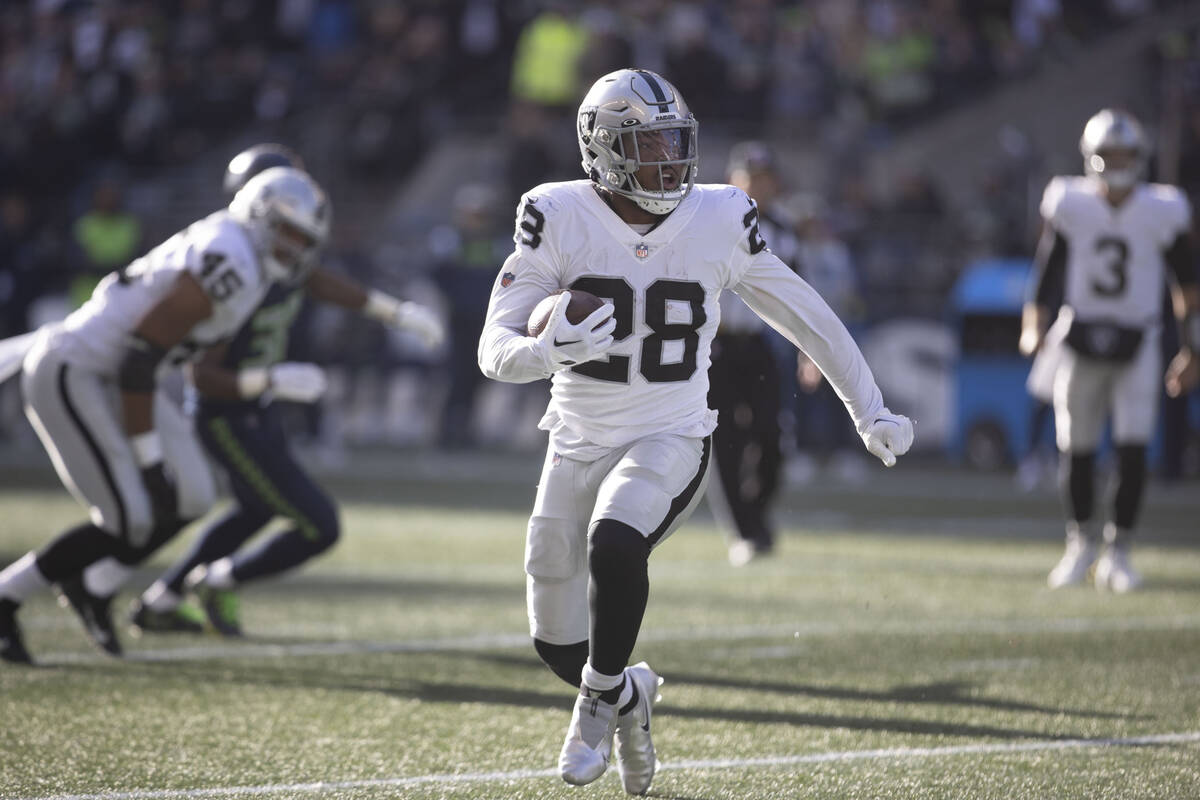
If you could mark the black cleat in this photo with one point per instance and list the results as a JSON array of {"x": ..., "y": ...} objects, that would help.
[
  {"x": 12, "y": 647},
  {"x": 183, "y": 618},
  {"x": 94, "y": 612}
]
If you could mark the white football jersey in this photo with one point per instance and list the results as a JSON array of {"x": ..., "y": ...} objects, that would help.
[
  {"x": 1115, "y": 270},
  {"x": 664, "y": 286},
  {"x": 216, "y": 250}
]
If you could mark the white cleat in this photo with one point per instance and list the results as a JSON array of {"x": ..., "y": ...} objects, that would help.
[
  {"x": 1075, "y": 562},
  {"x": 1115, "y": 573},
  {"x": 589, "y": 742},
  {"x": 636, "y": 761}
]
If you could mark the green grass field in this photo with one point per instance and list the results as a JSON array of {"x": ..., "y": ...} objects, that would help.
[{"x": 902, "y": 644}]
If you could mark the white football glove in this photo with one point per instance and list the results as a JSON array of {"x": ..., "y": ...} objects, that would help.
[
  {"x": 564, "y": 345},
  {"x": 406, "y": 315},
  {"x": 299, "y": 383},
  {"x": 888, "y": 436}
]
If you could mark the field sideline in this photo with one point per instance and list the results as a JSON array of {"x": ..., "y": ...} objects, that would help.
[{"x": 902, "y": 644}]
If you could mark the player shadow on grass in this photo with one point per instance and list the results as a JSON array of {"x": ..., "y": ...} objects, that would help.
[
  {"x": 937, "y": 693},
  {"x": 384, "y": 680}
]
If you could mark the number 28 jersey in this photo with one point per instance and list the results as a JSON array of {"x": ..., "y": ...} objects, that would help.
[
  {"x": 1115, "y": 269},
  {"x": 218, "y": 253},
  {"x": 664, "y": 286}
]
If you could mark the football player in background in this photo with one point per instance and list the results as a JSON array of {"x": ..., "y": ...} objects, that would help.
[
  {"x": 629, "y": 424},
  {"x": 92, "y": 388},
  {"x": 231, "y": 393},
  {"x": 744, "y": 382},
  {"x": 1108, "y": 244}
]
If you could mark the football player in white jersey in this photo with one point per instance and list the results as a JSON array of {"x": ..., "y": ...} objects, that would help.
[
  {"x": 628, "y": 419},
  {"x": 91, "y": 383},
  {"x": 1110, "y": 242}
]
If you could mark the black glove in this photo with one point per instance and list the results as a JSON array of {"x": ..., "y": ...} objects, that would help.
[{"x": 160, "y": 487}]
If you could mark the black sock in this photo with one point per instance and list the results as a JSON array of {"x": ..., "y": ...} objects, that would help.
[
  {"x": 1078, "y": 485},
  {"x": 74, "y": 549},
  {"x": 617, "y": 593}
]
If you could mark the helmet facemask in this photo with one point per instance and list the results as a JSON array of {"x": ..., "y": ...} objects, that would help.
[
  {"x": 293, "y": 252},
  {"x": 638, "y": 140},
  {"x": 1114, "y": 149},
  {"x": 288, "y": 218}
]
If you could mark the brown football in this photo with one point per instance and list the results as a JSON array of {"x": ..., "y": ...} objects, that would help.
[{"x": 582, "y": 303}]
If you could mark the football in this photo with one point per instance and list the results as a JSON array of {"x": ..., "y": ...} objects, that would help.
[{"x": 582, "y": 303}]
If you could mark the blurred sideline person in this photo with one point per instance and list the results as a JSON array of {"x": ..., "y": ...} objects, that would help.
[
  {"x": 629, "y": 424},
  {"x": 823, "y": 434},
  {"x": 232, "y": 394},
  {"x": 1109, "y": 241},
  {"x": 744, "y": 382},
  {"x": 92, "y": 389},
  {"x": 466, "y": 251}
]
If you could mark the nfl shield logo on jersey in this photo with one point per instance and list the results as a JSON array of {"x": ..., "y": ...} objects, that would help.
[
  {"x": 642, "y": 250},
  {"x": 506, "y": 279}
]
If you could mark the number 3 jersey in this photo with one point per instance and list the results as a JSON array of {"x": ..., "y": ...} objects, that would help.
[
  {"x": 1114, "y": 265},
  {"x": 218, "y": 254},
  {"x": 664, "y": 285}
]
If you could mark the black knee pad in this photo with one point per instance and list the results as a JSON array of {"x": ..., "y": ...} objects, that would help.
[
  {"x": 617, "y": 551},
  {"x": 564, "y": 660}
]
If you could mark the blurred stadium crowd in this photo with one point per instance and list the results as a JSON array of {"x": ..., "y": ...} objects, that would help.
[{"x": 120, "y": 116}]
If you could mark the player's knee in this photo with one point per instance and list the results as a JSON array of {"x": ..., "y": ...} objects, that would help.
[
  {"x": 328, "y": 527},
  {"x": 564, "y": 660},
  {"x": 618, "y": 552},
  {"x": 552, "y": 550}
]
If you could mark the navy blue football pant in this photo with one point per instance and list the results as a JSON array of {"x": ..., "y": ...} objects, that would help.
[{"x": 267, "y": 482}]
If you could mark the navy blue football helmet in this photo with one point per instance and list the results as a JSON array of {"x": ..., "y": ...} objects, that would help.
[{"x": 253, "y": 160}]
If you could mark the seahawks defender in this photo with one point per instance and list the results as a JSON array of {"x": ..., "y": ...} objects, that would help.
[
  {"x": 1109, "y": 241},
  {"x": 628, "y": 420},
  {"x": 92, "y": 386},
  {"x": 241, "y": 429}
]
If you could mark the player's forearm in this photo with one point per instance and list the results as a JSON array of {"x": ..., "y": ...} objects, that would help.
[
  {"x": 339, "y": 290},
  {"x": 1035, "y": 319},
  {"x": 506, "y": 355},
  {"x": 215, "y": 382},
  {"x": 1187, "y": 312},
  {"x": 808, "y": 322}
]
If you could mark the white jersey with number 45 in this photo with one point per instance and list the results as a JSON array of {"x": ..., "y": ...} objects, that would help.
[
  {"x": 1115, "y": 270},
  {"x": 218, "y": 253},
  {"x": 664, "y": 286}
]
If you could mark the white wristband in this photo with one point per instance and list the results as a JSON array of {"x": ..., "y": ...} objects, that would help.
[
  {"x": 381, "y": 307},
  {"x": 253, "y": 382},
  {"x": 147, "y": 448}
]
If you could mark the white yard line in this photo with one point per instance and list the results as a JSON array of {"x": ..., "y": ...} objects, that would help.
[
  {"x": 250, "y": 649},
  {"x": 700, "y": 764}
]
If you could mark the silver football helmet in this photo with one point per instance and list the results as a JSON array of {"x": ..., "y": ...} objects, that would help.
[
  {"x": 631, "y": 119},
  {"x": 287, "y": 216},
  {"x": 1114, "y": 148}
]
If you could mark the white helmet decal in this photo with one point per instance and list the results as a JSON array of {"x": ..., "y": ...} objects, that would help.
[{"x": 633, "y": 118}]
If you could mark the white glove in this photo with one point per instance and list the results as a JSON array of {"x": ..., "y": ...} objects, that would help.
[
  {"x": 564, "y": 345},
  {"x": 888, "y": 436},
  {"x": 300, "y": 383},
  {"x": 421, "y": 321},
  {"x": 406, "y": 315}
]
